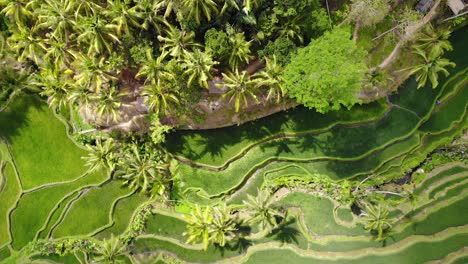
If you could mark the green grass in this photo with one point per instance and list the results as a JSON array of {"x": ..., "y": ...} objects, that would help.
[
  {"x": 4, "y": 253},
  {"x": 58, "y": 259},
  {"x": 8, "y": 198},
  {"x": 57, "y": 213},
  {"x": 215, "y": 147},
  {"x": 211, "y": 254},
  {"x": 166, "y": 226},
  {"x": 33, "y": 208},
  {"x": 93, "y": 208},
  {"x": 122, "y": 214},
  {"x": 417, "y": 253},
  {"x": 40, "y": 146},
  {"x": 318, "y": 215}
]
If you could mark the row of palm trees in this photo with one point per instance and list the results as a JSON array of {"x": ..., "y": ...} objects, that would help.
[
  {"x": 143, "y": 167},
  {"x": 221, "y": 224}
]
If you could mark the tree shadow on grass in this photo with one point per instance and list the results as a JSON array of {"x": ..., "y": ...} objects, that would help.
[
  {"x": 15, "y": 116},
  {"x": 286, "y": 233}
]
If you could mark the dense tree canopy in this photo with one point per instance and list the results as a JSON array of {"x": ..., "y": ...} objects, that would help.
[{"x": 328, "y": 73}]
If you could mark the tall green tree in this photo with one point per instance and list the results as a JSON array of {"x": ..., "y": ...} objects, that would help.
[
  {"x": 97, "y": 34},
  {"x": 224, "y": 226},
  {"x": 198, "y": 227},
  {"x": 198, "y": 66},
  {"x": 109, "y": 250},
  {"x": 27, "y": 45},
  {"x": 429, "y": 68},
  {"x": 368, "y": 12},
  {"x": 160, "y": 96},
  {"x": 177, "y": 41},
  {"x": 141, "y": 172},
  {"x": 108, "y": 105},
  {"x": 55, "y": 86},
  {"x": 435, "y": 41},
  {"x": 17, "y": 11},
  {"x": 240, "y": 49},
  {"x": 262, "y": 211},
  {"x": 102, "y": 155},
  {"x": 153, "y": 68},
  {"x": 376, "y": 219},
  {"x": 328, "y": 73},
  {"x": 122, "y": 16},
  {"x": 57, "y": 16},
  {"x": 241, "y": 88},
  {"x": 91, "y": 72},
  {"x": 272, "y": 79},
  {"x": 195, "y": 9}
]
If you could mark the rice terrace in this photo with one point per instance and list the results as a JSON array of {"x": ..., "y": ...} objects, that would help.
[{"x": 234, "y": 131}]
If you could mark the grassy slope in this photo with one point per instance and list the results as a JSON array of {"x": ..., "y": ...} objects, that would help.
[{"x": 41, "y": 148}]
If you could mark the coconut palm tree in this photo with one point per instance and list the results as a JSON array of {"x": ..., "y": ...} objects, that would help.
[
  {"x": 250, "y": 4},
  {"x": 160, "y": 96},
  {"x": 57, "y": 16},
  {"x": 376, "y": 219},
  {"x": 109, "y": 250},
  {"x": 198, "y": 227},
  {"x": 153, "y": 68},
  {"x": 241, "y": 88},
  {"x": 58, "y": 53},
  {"x": 223, "y": 226},
  {"x": 435, "y": 42},
  {"x": 101, "y": 155},
  {"x": 148, "y": 12},
  {"x": 262, "y": 211},
  {"x": 198, "y": 66},
  {"x": 108, "y": 104},
  {"x": 86, "y": 8},
  {"x": 229, "y": 4},
  {"x": 177, "y": 41},
  {"x": 240, "y": 48},
  {"x": 55, "y": 86},
  {"x": 17, "y": 11},
  {"x": 91, "y": 72},
  {"x": 429, "y": 68},
  {"x": 170, "y": 6},
  {"x": 196, "y": 8},
  {"x": 272, "y": 78},
  {"x": 27, "y": 46},
  {"x": 122, "y": 16},
  {"x": 142, "y": 173},
  {"x": 97, "y": 33}
]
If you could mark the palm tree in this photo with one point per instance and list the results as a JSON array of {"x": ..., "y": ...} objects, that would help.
[
  {"x": 109, "y": 250},
  {"x": 196, "y": 7},
  {"x": 177, "y": 41},
  {"x": 28, "y": 46},
  {"x": 223, "y": 226},
  {"x": 430, "y": 68},
  {"x": 17, "y": 10},
  {"x": 91, "y": 72},
  {"x": 54, "y": 85},
  {"x": 122, "y": 16},
  {"x": 56, "y": 16},
  {"x": 169, "y": 5},
  {"x": 198, "y": 227},
  {"x": 250, "y": 4},
  {"x": 81, "y": 95},
  {"x": 376, "y": 218},
  {"x": 86, "y": 8},
  {"x": 101, "y": 156},
  {"x": 148, "y": 12},
  {"x": 262, "y": 211},
  {"x": 272, "y": 78},
  {"x": 228, "y": 4},
  {"x": 58, "y": 53},
  {"x": 153, "y": 68},
  {"x": 108, "y": 104},
  {"x": 240, "y": 88},
  {"x": 240, "y": 48},
  {"x": 142, "y": 173},
  {"x": 159, "y": 96},
  {"x": 97, "y": 34},
  {"x": 198, "y": 66},
  {"x": 435, "y": 42}
]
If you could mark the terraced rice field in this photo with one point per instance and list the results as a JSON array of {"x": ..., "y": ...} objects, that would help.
[{"x": 46, "y": 194}]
